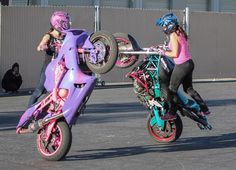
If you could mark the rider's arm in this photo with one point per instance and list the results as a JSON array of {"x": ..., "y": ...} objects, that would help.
[
  {"x": 175, "y": 46},
  {"x": 43, "y": 44}
]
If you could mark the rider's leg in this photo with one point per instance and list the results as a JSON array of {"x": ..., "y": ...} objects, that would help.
[
  {"x": 173, "y": 100},
  {"x": 177, "y": 77},
  {"x": 188, "y": 88},
  {"x": 196, "y": 96},
  {"x": 39, "y": 90},
  {"x": 175, "y": 81}
]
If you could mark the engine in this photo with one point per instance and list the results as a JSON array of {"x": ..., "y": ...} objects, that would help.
[{"x": 143, "y": 94}]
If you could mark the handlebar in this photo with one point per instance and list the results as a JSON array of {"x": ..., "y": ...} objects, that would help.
[{"x": 145, "y": 51}]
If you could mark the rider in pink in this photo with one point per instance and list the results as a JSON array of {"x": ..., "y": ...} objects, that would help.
[
  {"x": 184, "y": 65},
  {"x": 50, "y": 44},
  {"x": 183, "y": 53}
]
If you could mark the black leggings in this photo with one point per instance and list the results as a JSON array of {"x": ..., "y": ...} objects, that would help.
[{"x": 182, "y": 74}]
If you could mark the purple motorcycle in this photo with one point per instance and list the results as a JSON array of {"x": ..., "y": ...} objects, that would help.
[{"x": 71, "y": 75}]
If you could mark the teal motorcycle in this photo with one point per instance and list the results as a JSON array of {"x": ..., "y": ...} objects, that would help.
[{"x": 150, "y": 82}]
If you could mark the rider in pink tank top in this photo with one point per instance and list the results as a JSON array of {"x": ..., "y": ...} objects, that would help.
[
  {"x": 183, "y": 53},
  {"x": 184, "y": 65}
]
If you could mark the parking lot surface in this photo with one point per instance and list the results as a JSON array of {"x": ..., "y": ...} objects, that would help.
[{"x": 112, "y": 135}]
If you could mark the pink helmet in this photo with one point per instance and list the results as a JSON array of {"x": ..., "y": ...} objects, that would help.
[{"x": 60, "y": 21}]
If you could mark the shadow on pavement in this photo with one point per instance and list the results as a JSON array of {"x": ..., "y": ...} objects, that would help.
[
  {"x": 9, "y": 120},
  {"x": 107, "y": 112},
  {"x": 222, "y": 102},
  {"x": 25, "y": 92},
  {"x": 184, "y": 144}
]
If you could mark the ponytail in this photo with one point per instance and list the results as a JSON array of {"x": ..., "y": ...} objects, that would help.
[{"x": 180, "y": 30}]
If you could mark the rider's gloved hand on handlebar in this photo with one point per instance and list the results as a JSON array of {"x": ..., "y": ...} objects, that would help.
[
  {"x": 159, "y": 49},
  {"x": 153, "y": 48}
]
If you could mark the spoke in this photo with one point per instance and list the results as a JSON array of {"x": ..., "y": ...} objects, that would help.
[{"x": 50, "y": 148}]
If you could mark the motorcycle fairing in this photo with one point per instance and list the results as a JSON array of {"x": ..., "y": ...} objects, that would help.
[
  {"x": 27, "y": 115},
  {"x": 74, "y": 76}
]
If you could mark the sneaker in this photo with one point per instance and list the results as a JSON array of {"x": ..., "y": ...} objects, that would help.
[
  {"x": 169, "y": 116},
  {"x": 205, "y": 113}
]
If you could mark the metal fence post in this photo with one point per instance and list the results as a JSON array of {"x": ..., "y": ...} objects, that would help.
[
  {"x": 186, "y": 20},
  {"x": 0, "y": 39},
  {"x": 97, "y": 22},
  {"x": 97, "y": 27}
]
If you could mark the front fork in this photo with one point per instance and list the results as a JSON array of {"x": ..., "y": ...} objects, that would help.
[
  {"x": 49, "y": 130},
  {"x": 156, "y": 119}
]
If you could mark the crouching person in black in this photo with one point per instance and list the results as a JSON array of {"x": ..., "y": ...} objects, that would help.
[{"x": 12, "y": 79}]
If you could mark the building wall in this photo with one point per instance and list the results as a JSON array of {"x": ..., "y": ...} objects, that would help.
[
  {"x": 212, "y": 38},
  {"x": 22, "y": 29},
  {"x": 199, "y": 5},
  {"x": 227, "y": 6},
  {"x": 71, "y": 2},
  {"x": 195, "y": 5}
]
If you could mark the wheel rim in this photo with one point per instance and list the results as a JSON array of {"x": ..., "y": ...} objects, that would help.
[
  {"x": 166, "y": 135},
  {"x": 54, "y": 143},
  {"x": 124, "y": 60},
  {"x": 103, "y": 48}
]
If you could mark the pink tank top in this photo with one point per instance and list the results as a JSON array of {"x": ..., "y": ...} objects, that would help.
[{"x": 183, "y": 54}]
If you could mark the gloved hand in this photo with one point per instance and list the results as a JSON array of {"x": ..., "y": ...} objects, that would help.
[
  {"x": 163, "y": 46},
  {"x": 161, "y": 51},
  {"x": 153, "y": 48}
]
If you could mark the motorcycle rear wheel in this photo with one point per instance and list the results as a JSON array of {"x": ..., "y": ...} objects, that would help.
[
  {"x": 124, "y": 42},
  {"x": 171, "y": 133},
  {"x": 59, "y": 143},
  {"x": 106, "y": 48}
]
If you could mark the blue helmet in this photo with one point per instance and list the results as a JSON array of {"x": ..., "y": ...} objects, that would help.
[{"x": 169, "y": 21}]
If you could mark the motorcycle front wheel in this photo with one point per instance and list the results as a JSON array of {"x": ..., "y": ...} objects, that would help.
[
  {"x": 171, "y": 132},
  {"x": 59, "y": 142}
]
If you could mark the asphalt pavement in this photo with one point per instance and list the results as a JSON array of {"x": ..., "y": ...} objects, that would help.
[{"x": 112, "y": 135}]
